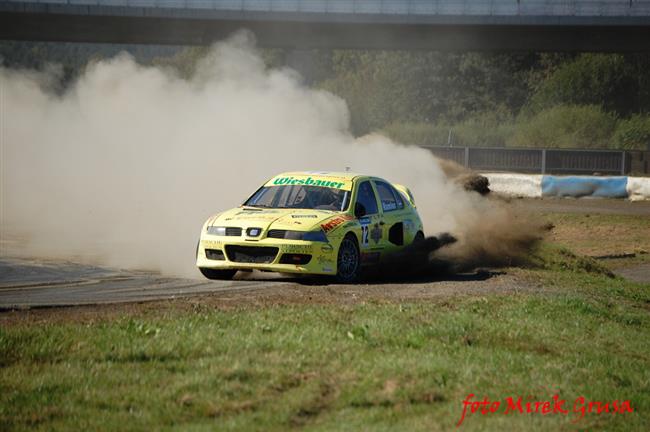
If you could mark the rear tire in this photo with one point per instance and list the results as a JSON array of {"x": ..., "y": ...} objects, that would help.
[
  {"x": 419, "y": 237},
  {"x": 215, "y": 274},
  {"x": 348, "y": 263}
]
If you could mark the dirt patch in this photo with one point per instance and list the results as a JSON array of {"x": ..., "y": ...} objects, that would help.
[
  {"x": 598, "y": 237},
  {"x": 638, "y": 273},
  {"x": 586, "y": 205}
]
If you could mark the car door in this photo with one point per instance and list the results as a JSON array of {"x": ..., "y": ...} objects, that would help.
[
  {"x": 366, "y": 208},
  {"x": 393, "y": 213}
]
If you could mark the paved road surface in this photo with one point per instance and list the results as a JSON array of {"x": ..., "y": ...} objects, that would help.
[
  {"x": 35, "y": 283},
  {"x": 56, "y": 283}
]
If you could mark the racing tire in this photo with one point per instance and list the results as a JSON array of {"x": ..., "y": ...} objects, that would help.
[
  {"x": 348, "y": 262},
  {"x": 419, "y": 237},
  {"x": 215, "y": 274}
]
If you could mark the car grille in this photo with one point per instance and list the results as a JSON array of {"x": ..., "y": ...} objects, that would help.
[
  {"x": 233, "y": 231},
  {"x": 276, "y": 233},
  {"x": 251, "y": 254},
  {"x": 214, "y": 254}
]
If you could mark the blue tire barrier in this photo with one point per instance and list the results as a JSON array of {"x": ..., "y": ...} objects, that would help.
[
  {"x": 601, "y": 187},
  {"x": 537, "y": 185}
]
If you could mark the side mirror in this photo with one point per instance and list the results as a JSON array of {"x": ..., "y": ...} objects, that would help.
[{"x": 359, "y": 210}]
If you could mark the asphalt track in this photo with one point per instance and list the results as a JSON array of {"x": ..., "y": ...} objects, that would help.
[
  {"x": 33, "y": 283},
  {"x": 26, "y": 283}
]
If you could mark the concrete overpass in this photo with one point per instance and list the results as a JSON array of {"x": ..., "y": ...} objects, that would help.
[{"x": 544, "y": 25}]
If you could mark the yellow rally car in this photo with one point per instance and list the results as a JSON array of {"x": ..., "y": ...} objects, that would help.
[{"x": 311, "y": 223}]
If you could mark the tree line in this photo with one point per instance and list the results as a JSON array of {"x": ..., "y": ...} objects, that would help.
[{"x": 570, "y": 100}]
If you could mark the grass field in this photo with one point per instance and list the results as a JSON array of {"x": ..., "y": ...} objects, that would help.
[{"x": 379, "y": 365}]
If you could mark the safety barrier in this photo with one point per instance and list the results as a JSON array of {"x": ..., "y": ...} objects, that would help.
[{"x": 633, "y": 188}]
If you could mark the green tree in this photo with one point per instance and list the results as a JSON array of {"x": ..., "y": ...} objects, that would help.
[
  {"x": 386, "y": 87},
  {"x": 611, "y": 81}
]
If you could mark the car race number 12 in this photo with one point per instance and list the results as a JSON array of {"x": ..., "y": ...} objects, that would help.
[{"x": 365, "y": 228}]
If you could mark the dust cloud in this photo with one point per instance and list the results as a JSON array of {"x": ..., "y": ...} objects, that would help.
[{"x": 123, "y": 167}]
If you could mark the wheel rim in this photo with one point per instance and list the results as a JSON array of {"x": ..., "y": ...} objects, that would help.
[{"x": 348, "y": 259}]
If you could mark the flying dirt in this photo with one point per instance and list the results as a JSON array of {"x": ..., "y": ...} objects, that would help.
[{"x": 122, "y": 166}]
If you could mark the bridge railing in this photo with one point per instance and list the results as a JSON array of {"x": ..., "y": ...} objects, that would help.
[{"x": 393, "y": 7}]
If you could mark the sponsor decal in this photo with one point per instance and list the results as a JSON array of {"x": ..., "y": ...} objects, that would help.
[
  {"x": 256, "y": 217},
  {"x": 328, "y": 269},
  {"x": 211, "y": 244},
  {"x": 322, "y": 259},
  {"x": 256, "y": 212},
  {"x": 327, "y": 248},
  {"x": 297, "y": 248},
  {"x": 310, "y": 181},
  {"x": 376, "y": 233},
  {"x": 303, "y": 216},
  {"x": 546, "y": 406},
  {"x": 333, "y": 223},
  {"x": 409, "y": 225}
]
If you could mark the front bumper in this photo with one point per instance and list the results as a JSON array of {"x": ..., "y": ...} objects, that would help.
[{"x": 323, "y": 256}]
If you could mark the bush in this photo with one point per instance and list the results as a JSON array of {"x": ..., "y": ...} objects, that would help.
[
  {"x": 483, "y": 130},
  {"x": 633, "y": 133},
  {"x": 565, "y": 126}
]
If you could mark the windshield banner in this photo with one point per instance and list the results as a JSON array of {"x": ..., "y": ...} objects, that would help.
[{"x": 307, "y": 180}]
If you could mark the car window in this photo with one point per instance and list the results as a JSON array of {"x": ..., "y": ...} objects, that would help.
[
  {"x": 398, "y": 198},
  {"x": 367, "y": 198},
  {"x": 389, "y": 200}
]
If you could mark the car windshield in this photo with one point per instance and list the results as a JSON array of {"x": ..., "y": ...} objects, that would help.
[{"x": 300, "y": 197}]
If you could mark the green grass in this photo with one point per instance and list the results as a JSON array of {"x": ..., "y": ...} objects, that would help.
[{"x": 373, "y": 366}]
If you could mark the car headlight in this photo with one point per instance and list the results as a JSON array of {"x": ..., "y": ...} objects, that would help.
[
  {"x": 318, "y": 236},
  {"x": 214, "y": 230},
  {"x": 299, "y": 235}
]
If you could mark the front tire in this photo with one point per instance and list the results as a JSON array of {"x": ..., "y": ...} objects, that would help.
[
  {"x": 348, "y": 263},
  {"x": 215, "y": 274}
]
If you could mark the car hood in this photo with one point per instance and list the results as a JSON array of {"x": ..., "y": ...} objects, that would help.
[{"x": 290, "y": 219}]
